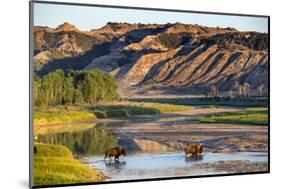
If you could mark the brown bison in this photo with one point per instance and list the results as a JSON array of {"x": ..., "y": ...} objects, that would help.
[
  {"x": 115, "y": 152},
  {"x": 194, "y": 149}
]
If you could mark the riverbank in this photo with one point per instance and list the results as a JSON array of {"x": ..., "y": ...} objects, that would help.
[
  {"x": 67, "y": 114},
  {"x": 55, "y": 164},
  {"x": 174, "y": 131},
  {"x": 252, "y": 116}
]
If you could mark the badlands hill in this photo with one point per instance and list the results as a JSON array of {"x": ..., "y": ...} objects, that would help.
[{"x": 150, "y": 59}]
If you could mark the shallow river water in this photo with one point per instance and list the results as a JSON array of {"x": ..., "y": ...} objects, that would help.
[{"x": 160, "y": 165}]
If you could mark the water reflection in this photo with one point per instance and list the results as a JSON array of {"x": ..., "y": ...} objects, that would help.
[
  {"x": 193, "y": 158},
  {"x": 91, "y": 141},
  {"x": 115, "y": 165}
]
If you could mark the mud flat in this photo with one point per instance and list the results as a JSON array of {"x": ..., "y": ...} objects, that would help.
[
  {"x": 173, "y": 131},
  {"x": 215, "y": 138}
]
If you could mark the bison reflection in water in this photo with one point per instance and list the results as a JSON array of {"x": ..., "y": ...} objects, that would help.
[
  {"x": 193, "y": 158},
  {"x": 115, "y": 165}
]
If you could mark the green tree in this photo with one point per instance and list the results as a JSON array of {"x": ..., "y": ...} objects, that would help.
[
  {"x": 74, "y": 87},
  {"x": 89, "y": 89},
  {"x": 77, "y": 96},
  {"x": 68, "y": 90}
]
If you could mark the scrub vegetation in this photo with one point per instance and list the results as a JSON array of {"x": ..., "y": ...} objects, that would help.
[{"x": 252, "y": 116}]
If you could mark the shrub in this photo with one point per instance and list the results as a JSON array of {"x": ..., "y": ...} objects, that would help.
[{"x": 173, "y": 40}]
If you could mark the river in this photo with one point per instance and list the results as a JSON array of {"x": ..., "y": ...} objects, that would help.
[
  {"x": 155, "y": 145},
  {"x": 160, "y": 165}
]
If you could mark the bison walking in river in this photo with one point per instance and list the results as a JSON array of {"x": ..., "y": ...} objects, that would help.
[
  {"x": 194, "y": 149},
  {"x": 115, "y": 152}
]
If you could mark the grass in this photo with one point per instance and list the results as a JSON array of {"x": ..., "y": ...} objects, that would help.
[
  {"x": 124, "y": 109},
  {"x": 68, "y": 114},
  {"x": 212, "y": 106},
  {"x": 252, "y": 116},
  {"x": 202, "y": 101},
  {"x": 55, "y": 164},
  {"x": 69, "y": 128},
  {"x": 62, "y": 114}
]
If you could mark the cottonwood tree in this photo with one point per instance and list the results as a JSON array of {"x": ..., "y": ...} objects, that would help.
[
  {"x": 77, "y": 96},
  {"x": 260, "y": 90},
  {"x": 246, "y": 89},
  {"x": 238, "y": 88},
  {"x": 214, "y": 91},
  {"x": 230, "y": 93},
  {"x": 68, "y": 90},
  {"x": 58, "y": 88}
]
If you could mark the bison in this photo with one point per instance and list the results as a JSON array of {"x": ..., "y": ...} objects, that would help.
[
  {"x": 194, "y": 149},
  {"x": 115, "y": 152}
]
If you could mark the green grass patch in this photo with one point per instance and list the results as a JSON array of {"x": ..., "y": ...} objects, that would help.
[
  {"x": 67, "y": 114},
  {"x": 65, "y": 128},
  {"x": 124, "y": 109},
  {"x": 252, "y": 116},
  {"x": 54, "y": 164},
  {"x": 200, "y": 101},
  {"x": 212, "y": 106},
  {"x": 61, "y": 115}
]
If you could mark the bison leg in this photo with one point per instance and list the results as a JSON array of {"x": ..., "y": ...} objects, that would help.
[{"x": 109, "y": 157}]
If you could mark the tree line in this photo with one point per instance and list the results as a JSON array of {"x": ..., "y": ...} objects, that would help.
[
  {"x": 74, "y": 87},
  {"x": 239, "y": 90}
]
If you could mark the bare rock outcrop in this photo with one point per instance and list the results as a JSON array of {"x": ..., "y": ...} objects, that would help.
[{"x": 185, "y": 58}]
